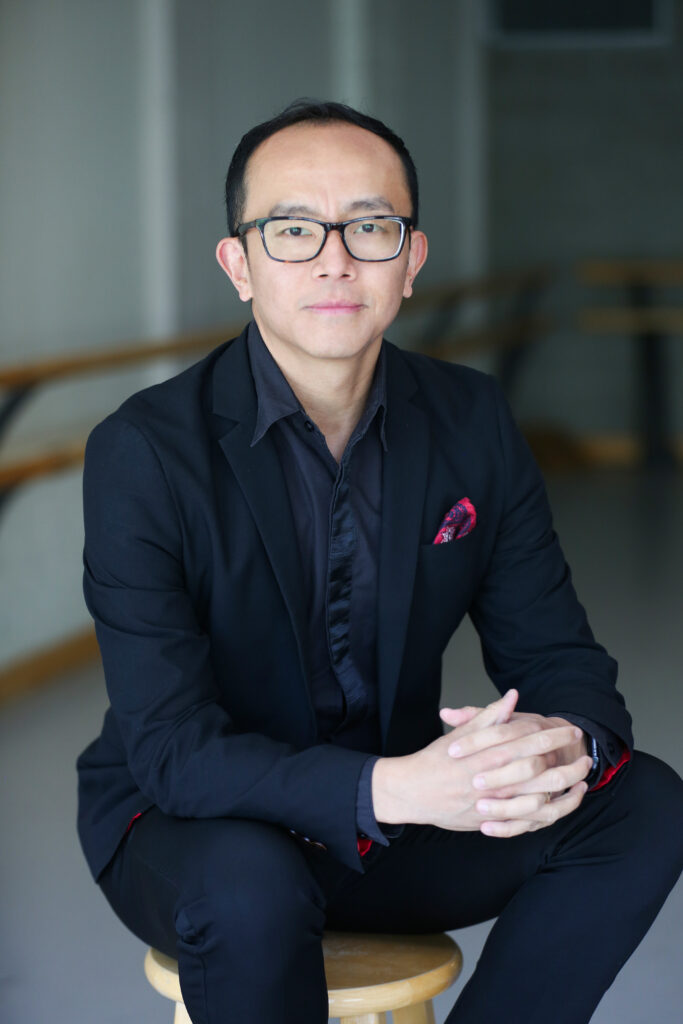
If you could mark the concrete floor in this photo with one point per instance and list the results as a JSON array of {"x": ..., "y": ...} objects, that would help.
[{"x": 65, "y": 958}]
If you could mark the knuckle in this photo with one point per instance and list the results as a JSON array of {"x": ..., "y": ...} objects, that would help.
[{"x": 496, "y": 758}]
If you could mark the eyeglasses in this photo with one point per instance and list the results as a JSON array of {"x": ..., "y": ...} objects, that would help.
[{"x": 299, "y": 239}]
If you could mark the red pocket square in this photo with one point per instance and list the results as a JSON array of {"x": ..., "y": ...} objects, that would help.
[{"x": 458, "y": 522}]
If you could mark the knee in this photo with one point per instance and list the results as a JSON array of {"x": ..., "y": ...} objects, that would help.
[
  {"x": 255, "y": 882},
  {"x": 655, "y": 795},
  {"x": 657, "y": 786}
]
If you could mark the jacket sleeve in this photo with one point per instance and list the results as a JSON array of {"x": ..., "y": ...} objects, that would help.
[
  {"x": 534, "y": 632},
  {"x": 182, "y": 748}
]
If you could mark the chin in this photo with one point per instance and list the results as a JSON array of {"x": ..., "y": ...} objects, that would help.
[
  {"x": 338, "y": 349},
  {"x": 337, "y": 343}
]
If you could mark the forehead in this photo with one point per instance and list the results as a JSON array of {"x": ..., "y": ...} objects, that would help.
[{"x": 325, "y": 167}]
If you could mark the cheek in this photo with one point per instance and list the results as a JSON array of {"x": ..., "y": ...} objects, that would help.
[{"x": 273, "y": 292}]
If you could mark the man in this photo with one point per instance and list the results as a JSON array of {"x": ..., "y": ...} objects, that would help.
[{"x": 279, "y": 544}]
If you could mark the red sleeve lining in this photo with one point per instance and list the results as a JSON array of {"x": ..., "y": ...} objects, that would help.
[{"x": 611, "y": 770}]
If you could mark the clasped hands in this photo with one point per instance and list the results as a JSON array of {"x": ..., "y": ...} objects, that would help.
[{"x": 498, "y": 771}]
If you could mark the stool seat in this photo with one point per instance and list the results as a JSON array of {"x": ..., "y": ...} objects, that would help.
[{"x": 367, "y": 975}]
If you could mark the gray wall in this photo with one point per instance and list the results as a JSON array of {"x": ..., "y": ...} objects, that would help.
[
  {"x": 586, "y": 160},
  {"x": 69, "y": 267},
  {"x": 116, "y": 125}
]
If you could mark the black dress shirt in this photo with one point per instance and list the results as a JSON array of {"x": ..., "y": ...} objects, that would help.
[{"x": 336, "y": 509}]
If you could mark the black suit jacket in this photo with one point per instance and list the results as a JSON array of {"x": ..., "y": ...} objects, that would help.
[{"x": 191, "y": 575}]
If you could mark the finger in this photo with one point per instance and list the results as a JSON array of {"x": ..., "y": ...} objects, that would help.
[
  {"x": 507, "y": 829},
  {"x": 547, "y": 815},
  {"x": 458, "y": 716},
  {"x": 518, "y": 807},
  {"x": 522, "y": 738},
  {"x": 529, "y": 778},
  {"x": 465, "y": 744},
  {"x": 497, "y": 712},
  {"x": 505, "y": 706}
]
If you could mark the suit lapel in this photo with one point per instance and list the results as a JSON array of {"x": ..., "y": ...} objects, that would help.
[
  {"x": 404, "y": 479},
  {"x": 259, "y": 475}
]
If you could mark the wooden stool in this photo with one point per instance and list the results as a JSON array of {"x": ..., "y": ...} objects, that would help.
[{"x": 367, "y": 975}]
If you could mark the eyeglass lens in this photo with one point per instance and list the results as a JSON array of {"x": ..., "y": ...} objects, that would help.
[{"x": 296, "y": 240}]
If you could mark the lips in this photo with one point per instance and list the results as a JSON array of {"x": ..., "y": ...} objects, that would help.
[{"x": 335, "y": 307}]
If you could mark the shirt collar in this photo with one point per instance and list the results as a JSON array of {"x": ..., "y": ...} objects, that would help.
[{"x": 276, "y": 400}]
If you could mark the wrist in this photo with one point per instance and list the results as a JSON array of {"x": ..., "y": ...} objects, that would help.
[
  {"x": 388, "y": 790},
  {"x": 581, "y": 748}
]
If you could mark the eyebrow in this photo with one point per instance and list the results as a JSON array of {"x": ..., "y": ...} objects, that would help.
[{"x": 369, "y": 204}]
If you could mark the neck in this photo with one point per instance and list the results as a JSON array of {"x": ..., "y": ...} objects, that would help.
[{"x": 333, "y": 392}]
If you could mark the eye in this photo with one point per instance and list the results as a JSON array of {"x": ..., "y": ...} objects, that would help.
[
  {"x": 369, "y": 227},
  {"x": 294, "y": 231}
]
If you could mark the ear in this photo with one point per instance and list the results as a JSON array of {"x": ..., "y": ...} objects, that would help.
[
  {"x": 416, "y": 257},
  {"x": 232, "y": 258}
]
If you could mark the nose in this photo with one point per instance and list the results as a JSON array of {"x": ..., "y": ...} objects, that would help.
[{"x": 333, "y": 260}]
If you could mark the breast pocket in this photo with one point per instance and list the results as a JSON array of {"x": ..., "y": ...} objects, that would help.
[{"x": 446, "y": 579}]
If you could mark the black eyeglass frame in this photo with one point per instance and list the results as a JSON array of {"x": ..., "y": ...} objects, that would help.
[{"x": 405, "y": 222}]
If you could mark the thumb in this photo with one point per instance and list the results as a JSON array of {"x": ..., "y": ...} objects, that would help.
[
  {"x": 496, "y": 713},
  {"x": 458, "y": 716}
]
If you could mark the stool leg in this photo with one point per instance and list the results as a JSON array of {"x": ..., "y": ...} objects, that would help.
[
  {"x": 365, "y": 1018},
  {"x": 181, "y": 1015},
  {"x": 422, "y": 1013}
]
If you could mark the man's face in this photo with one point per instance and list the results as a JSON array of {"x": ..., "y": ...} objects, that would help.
[{"x": 332, "y": 307}]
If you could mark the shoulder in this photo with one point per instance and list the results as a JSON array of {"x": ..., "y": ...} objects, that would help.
[
  {"x": 447, "y": 391},
  {"x": 173, "y": 411},
  {"x": 177, "y": 394},
  {"x": 438, "y": 372}
]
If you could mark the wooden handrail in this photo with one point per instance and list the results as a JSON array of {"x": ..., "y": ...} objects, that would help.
[
  {"x": 485, "y": 287},
  {"x": 465, "y": 342},
  {"x": 664, "y": 272},
  {"x": 43, "y": 665},
  {"x": 492, "y": 336},
  {"x": 19, "y": 471},
  {"x": 128, "y": 353},
  {"x": 625, "y": 320},
  {"x": 507, "y": 333}
]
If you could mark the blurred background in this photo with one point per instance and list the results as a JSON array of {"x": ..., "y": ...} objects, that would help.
[{"x": 550, "y": 152}]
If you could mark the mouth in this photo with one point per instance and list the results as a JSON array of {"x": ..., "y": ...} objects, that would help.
[{"x": 331, "y": 308}]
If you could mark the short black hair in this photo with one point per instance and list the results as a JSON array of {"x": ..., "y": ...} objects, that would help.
[{"x": 314, "y": 112}]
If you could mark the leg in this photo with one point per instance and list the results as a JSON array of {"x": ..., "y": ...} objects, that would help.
[
  {"x": 423, "y": 1013},
  {"x": 235, "y": 902},
  {"x": 573, "y": 901},
  {"x": 365, "y": 1018},
  {"x": 181, "y": 1015},
  {"x": 561, "y": 941}
]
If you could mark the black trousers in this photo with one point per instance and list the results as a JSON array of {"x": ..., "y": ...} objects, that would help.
[{"x": 242, "y": 905}]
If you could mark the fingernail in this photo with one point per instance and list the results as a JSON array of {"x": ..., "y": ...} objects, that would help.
[
  {"x": 483, "y": 807},
  {"x": 454, "y": 750},
  {"x": 578, "y": 733},
  {"x": 479, "y": 782}
]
